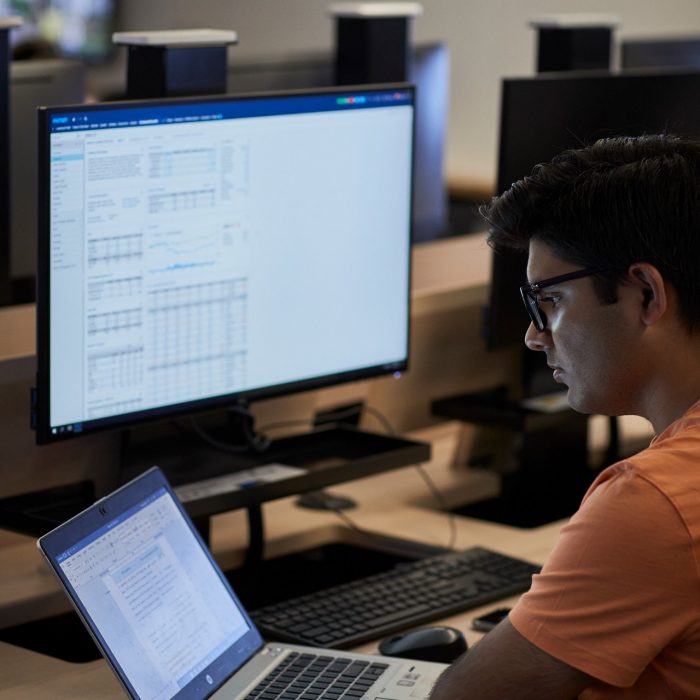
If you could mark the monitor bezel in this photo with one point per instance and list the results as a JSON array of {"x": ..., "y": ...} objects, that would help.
[{"x": 40, "y": 410}]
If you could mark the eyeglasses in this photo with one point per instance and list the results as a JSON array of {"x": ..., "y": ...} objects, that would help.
[{"x": 529, "y": 292}]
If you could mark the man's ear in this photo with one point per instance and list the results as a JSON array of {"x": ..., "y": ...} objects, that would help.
[{"x": 652, "y": 286}]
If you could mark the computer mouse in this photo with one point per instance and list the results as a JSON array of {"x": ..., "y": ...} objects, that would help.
[{"x": 443, "y": 644}]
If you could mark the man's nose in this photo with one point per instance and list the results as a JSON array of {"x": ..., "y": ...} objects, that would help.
[{"x": 537, "y": 340}]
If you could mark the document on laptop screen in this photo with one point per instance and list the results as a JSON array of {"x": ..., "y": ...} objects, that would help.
[{"x": 161, "y": 607}]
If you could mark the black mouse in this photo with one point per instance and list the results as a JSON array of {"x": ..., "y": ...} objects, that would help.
[{"x": 443, "y": 644}]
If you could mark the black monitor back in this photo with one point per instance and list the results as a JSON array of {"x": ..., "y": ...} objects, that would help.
[
  {"x": 428, "y": 70},
  {"x": 546, "y": 114}
]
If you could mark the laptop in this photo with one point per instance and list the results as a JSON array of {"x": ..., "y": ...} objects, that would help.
[{"x": 170, "y": 626}]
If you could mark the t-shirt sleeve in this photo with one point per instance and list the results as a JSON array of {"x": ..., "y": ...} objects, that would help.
[{"x": 620, "y": 584}]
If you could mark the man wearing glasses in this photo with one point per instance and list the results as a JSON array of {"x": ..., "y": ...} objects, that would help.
[{"x": 613, "y": 236}]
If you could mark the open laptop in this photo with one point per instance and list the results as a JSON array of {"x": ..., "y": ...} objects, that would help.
[{"x": 170, "y": 626}]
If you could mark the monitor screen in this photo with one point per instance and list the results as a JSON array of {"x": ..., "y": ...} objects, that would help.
[
  {"x": 546, "y": 114},
  {"x": 197, "y": 251}
]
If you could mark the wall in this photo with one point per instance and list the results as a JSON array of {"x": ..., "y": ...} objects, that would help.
[{"x": 488, "y": 39}]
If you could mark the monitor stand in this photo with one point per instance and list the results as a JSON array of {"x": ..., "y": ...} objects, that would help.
[{"x": 298, "y": 464}]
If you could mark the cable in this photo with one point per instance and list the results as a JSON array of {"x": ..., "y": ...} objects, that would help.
[
  {"x": 347, "y": 520},
  {"x": 432, "y": 486},
  {"x": 330, "y": 417},
  {"x": 334, "y": 417},
  {"x": 213, "y": 442},
  {"x": 260, "y": 443},
  {"x": 437, "y": 495},
  {"x": 254, "y": 441},
  {"x": 389, "y": 429}
]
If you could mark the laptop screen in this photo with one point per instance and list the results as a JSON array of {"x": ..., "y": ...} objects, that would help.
[{"x": 151, "y": 594}]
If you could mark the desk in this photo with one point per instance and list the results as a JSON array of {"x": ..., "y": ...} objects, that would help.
[
  {"x": 394, "y": 503},
  {"x": 449, "y": 287}
]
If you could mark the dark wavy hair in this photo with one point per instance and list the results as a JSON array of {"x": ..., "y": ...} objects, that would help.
[{"x": 619, "y": 201}]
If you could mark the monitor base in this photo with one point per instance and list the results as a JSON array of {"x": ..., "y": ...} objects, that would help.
[{"x": 323, "y": 457}]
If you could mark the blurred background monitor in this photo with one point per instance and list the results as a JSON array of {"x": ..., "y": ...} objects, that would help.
[
  {"x": 32, "y": 83},
  {"x": 65, "y": 28},
  {"x": 429, "y": 71},
  {"x": 546, "y": 114},
  {"x": 660, "y": 53}
]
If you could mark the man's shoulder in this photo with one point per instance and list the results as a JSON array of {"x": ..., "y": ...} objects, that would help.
[
  {"x": 658, "y": 485},
  {"x": 669, "y": 464}
]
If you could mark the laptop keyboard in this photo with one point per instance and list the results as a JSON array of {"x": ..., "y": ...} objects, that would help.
[
  {"x": 317, "y": 677},
  {"x": 407, "y": 595}
]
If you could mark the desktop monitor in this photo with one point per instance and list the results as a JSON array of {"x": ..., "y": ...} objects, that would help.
[
  {"x": 546, "y": 114},
  {"x": 198, "y": 252},
  {"x": 429, "y": 68},
  {"x": 660, "y": 53},
  {"x": 32, "y": 83}
]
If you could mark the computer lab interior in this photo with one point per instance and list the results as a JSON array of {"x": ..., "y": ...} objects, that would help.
[{"x": 241, "y": 242}]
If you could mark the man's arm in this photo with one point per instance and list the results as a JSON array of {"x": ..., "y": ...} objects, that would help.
[{"x": 506, "y": 665}]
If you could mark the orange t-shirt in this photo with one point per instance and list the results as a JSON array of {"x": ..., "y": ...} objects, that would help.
[{"x": 619, "y": 597}]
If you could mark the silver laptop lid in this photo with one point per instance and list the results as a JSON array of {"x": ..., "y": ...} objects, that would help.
[{"x": 150, "y": 593}]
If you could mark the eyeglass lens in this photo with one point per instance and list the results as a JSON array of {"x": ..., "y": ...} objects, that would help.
[{"x": 537, "y": 316}]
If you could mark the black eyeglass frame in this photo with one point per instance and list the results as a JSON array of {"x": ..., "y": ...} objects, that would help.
[{"x": 527, "y": 292}]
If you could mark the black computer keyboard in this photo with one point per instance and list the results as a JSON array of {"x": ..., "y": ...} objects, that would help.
[{"x": 407, "y": 595}]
